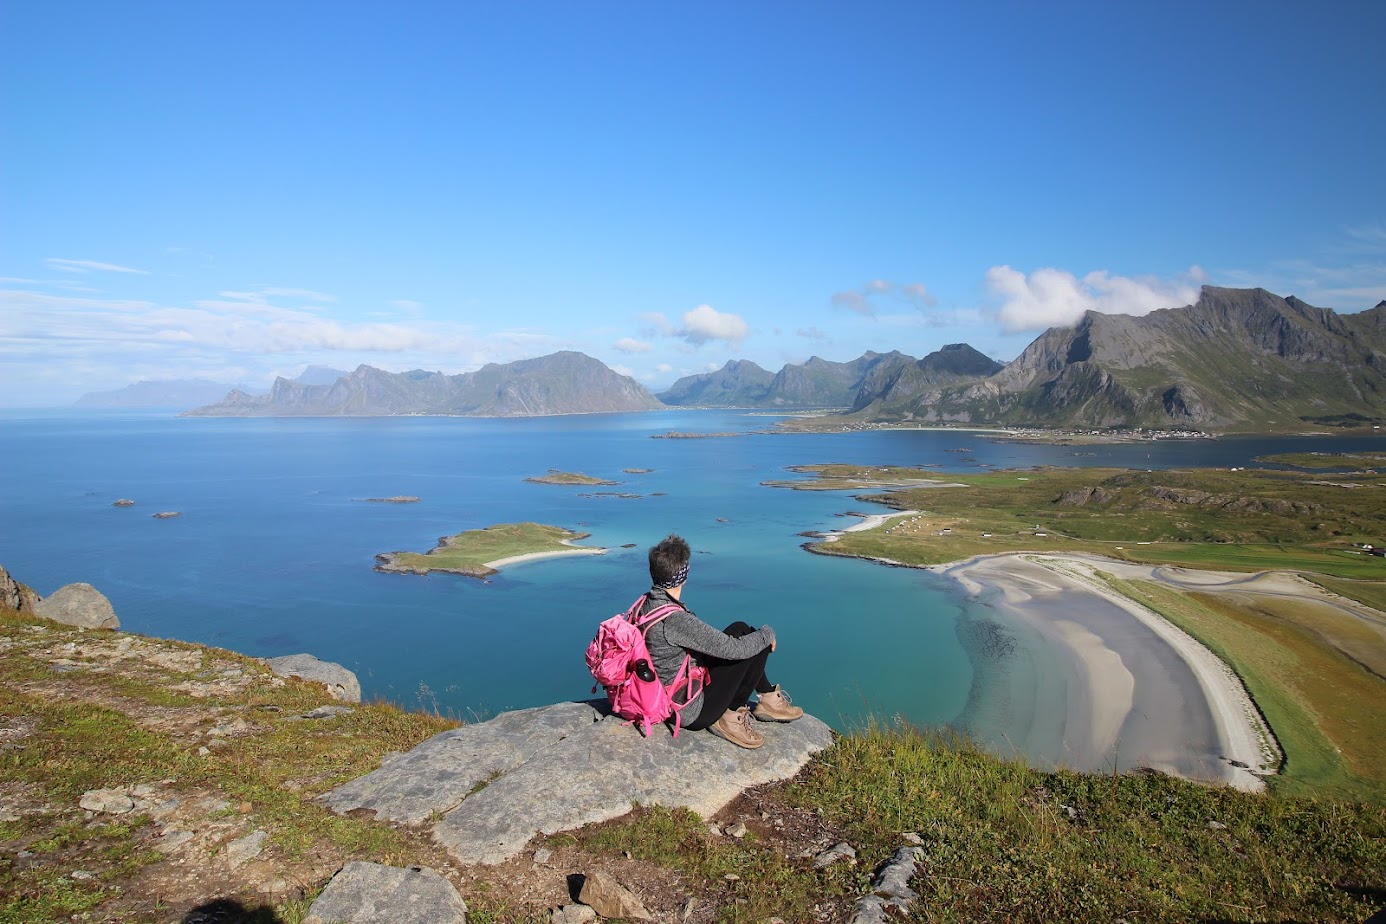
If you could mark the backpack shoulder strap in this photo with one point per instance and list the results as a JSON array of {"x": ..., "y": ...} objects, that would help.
[{"x": 645, "y": 622}]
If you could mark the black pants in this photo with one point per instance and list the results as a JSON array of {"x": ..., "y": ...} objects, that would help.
[{"x": 731, "y": 682}]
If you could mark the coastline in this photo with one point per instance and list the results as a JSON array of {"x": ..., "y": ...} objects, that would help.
[
  {"x": 1140, "y": 691},
  {"x": 1192, "y": 718}
]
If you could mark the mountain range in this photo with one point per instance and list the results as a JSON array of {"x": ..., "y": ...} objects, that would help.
[
  {"x": 561, "y": 383},
  {"x": 1237, "y": 359}
]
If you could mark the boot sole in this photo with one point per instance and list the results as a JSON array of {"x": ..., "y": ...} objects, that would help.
[{"x": 760, "y": 718}]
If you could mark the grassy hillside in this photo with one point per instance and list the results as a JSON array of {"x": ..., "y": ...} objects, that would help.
[{"x": 214, "y": 748}]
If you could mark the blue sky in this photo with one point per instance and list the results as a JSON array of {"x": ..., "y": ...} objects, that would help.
[{"x": 235, "y": 190}]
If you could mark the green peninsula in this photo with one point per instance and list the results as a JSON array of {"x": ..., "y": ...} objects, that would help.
[{"x": 480, "y": 552}]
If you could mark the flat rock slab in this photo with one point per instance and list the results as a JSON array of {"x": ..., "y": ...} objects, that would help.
[
  {"x": 368, "y": 893},
  {"x": 560, "y": 767}
]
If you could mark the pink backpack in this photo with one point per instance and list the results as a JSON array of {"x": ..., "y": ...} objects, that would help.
[{"x": 615, "y": 657}]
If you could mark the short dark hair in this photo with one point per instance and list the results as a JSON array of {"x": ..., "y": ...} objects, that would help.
[{"x": 667, "y": 558}]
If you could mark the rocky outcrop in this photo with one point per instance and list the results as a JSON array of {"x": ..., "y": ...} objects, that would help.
[
  {"x": 486, "y": 789},
  {"x": 16, "y": 596},
  {"x": 817, "y": 382},
  {"x": 78, "y": 605},
  {"x": 369, "y": 893},
  {"x": 341, "y": 683}
]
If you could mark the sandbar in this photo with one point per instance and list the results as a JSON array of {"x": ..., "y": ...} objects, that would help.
[
  {"x": 869, "y": 521},
  {"x": 1141, "y": 692}
]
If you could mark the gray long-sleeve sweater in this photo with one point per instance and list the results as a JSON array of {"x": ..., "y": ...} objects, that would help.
[{"x": 683, "y": 633}]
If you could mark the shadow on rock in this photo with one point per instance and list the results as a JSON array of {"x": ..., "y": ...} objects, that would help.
[{"x": 230, "y": 911}]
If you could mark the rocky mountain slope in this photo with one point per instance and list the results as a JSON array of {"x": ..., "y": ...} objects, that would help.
[
  {"x": 1237, "y": 359},
  {"x": 815, "y": 383},
  {"x": 561, "y": 383}
]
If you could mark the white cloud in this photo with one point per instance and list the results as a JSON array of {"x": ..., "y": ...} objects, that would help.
[
  {"x": 87, "y": 266},
  {"x": 622, "y": 370},
  {"x": 1056, "y": 298},
  {"x": 705, "y": 324},
  {"x": 631, "y": 345},
  {"x": 307, "y": 295},
  {"x": 863, "y": 301},
  {"x": 664, "y": 368},
  {"x": 811, "y": 333}
]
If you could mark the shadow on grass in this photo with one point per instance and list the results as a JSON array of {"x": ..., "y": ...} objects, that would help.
[{"x": 230, "y": 911}]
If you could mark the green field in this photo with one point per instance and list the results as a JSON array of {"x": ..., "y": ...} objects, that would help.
[
  {"x": 1212, "y": 519},
  {"x": 468, "y": 552}
]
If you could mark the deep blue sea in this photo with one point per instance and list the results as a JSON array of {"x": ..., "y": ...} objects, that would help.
[{"x": 274, "y": 551}]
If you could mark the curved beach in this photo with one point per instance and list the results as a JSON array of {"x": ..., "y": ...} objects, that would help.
[
  {"x": 1139, "y": 692},
  {"x": 535, "y": 556}
]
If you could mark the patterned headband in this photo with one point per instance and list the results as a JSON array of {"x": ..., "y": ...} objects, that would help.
[{"x": 675, "y": 580}]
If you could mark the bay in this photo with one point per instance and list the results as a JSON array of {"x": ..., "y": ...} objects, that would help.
[{"x": 274, "y": 551}]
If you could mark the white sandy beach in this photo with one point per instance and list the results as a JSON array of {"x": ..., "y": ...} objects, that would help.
[
  {"x": 536, "y": 556},
  {"x": 1126, "y": 696}
]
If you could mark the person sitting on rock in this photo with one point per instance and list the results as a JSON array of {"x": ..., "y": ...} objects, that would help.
[{"x": 735, "y": 659}]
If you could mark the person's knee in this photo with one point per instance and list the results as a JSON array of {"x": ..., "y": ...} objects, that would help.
[{"x": 738, "y": 629}]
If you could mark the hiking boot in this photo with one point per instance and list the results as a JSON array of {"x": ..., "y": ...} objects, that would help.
[
  {"x": 735, "y": 726},
  {"x": 776, "y": 707}
]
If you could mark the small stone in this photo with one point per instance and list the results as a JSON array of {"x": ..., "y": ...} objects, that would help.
[
  {"x": 714, "y": 829},
  {"x": 275, "y": 887},
  {"x": 737, "y": 830},
  {"x": 764, "y": 816},
  {"x": 142, "y": 791},
  {"x": 1216, "y": 825},
  {"x": 1070, "y": 811},
  {"x": 245, "y": 849},
  {"x": 835, "y": 853},
  {"x": 244, "y": 808},
  {"x": 81, "y": 875},
  {"x": 327, "y": 712},
  {"x": 203, "y": 752},
  {"x": 610, "y": 899},
  {"x": 110, "y": 801},
  {"x": 369, "y": 892},
  {"x": 626, "y": 854},
  {"x": 912, "y": 837},
  {"x": 542, "y": 855},
  {"x": 573, "y": 914},
  {"x": 732, "y": 877},
  {"x": 688, "y": 907}
]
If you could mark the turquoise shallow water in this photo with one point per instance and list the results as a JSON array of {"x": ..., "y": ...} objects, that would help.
[{"x": 274, "y": 551}]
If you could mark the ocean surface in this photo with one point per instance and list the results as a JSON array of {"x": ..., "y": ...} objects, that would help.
[{"x": 275, "y": 548}]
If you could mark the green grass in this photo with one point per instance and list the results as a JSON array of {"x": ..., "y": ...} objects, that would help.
[
  {"x": 1001, "y": 845},
  {"x": 1322, "y": 460},
  {"x": 102, "y": 731},
  {"x": 468, "y": 552}
]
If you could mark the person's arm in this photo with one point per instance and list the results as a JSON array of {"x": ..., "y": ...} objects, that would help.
[{"x": 688, "y": 631}]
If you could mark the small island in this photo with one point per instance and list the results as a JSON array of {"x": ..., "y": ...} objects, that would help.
[
  {"x": 123, "y": 502},
  {"x": 481, "y": 552},
  {"x": 637, "y": 471},
  {"x": 397, "y": 499},
  {"x": 556, "y": 477},
  {"x": 167, "y": 514},
  {"x": 844, "y": 477}
]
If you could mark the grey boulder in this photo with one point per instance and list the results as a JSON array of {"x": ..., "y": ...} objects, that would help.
[
  {"x": 340, "y": 682},
  {"x": 369, "y": 893},
  {"x": 78, "y": 605},
  {"x": 498, "y": 783}
]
